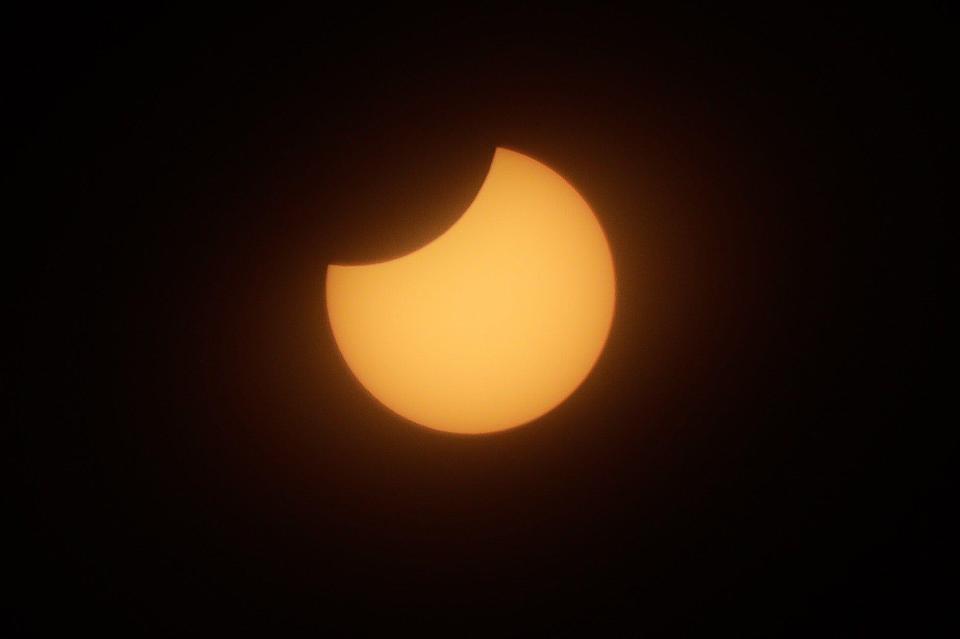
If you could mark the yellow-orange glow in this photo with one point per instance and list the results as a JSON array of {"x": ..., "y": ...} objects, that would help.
[{"x": 495, "y": 322}]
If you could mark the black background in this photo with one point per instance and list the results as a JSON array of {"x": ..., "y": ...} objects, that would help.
[{"x": 757, "y": 449}]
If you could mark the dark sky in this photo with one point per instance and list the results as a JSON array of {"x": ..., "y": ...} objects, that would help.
[{"x": 758, "y": 449}]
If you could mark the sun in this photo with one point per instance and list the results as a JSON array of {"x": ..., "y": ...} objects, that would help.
[{"x": 495, "y": 322}]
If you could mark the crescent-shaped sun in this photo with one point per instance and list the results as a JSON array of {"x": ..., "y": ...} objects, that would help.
[{"x": 495, "y": 322}]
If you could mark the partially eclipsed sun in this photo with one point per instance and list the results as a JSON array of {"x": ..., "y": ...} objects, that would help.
[{"x": 495, "y": 322}]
